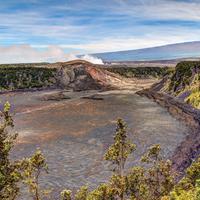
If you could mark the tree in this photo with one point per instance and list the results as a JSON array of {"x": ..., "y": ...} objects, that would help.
[
  {"x": 152, "y": 181},
  {"x": 9, "y": 174},
  {"x": 31, "y": 169},
  {"x": 121, "y": 149},
  {"x": 137, "y": 187},
  {"x": 82, "y": 193},
  {"x": 66, "y": 195},
  {"x": 189, "y": 185},
  {"x": 102, "y": 192},
  {"x": 118, "y": 154},
  {"x": 14, "y": 172},
  {"x": 159, "y": 176}
]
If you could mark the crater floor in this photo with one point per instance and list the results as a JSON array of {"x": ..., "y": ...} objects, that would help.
[{"x": 75, "y": 133}]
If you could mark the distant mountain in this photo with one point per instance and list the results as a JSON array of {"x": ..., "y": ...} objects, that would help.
[{"x": 172, "y": 51}]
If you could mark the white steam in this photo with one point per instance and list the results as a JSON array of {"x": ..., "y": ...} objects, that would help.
[
  {"x": 28, "y": 54},
  {"x": 92, "y": 59}
]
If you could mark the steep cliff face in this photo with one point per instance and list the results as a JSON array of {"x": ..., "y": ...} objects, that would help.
[
  {"x": 75, "y": 75},
  {"x": 184, "y": 83},
  {"x": 175, "y": 92}
]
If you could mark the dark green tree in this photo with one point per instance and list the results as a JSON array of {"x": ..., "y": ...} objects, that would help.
[
  {"x": 121, "y": 149},
  {"x": 118, "y": 154}
]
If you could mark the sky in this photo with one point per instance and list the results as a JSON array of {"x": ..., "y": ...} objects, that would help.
[{"x": 55, "y": 30}]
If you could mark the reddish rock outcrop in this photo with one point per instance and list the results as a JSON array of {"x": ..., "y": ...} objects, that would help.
[
  {"x": 82, "y": 75},
  {"x": 75, "y": 76}
]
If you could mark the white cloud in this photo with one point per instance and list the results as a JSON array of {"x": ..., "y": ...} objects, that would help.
[
  {"x": 40, "y": 26},
  {"x": 37, "y": 24},
  {"x": 25, "y": 53},
  {"x": 160, "y": 9},
  {"x": 28, "y": 54},
  {"x": 149, "y": 39}
]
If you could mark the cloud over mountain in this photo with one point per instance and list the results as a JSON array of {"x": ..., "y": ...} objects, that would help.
[{"x": 28, "y": 54}]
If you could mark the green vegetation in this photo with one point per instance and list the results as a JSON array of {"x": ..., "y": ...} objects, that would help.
[
  {"x": 9, "y": 175},
  {"x": 26, "y": 77},
  {"x": 194, "y": 99},
  {"x": 189, "y": 186},
  {"x": 184, "y": 75},
  {"x": 184, "y": 82},
  {"x": 42, "y": 64},
  {"x": 152, "y": 180},
  {"x": 30, "y": 170},
  {"x": 141, "y": 72},
  {"x": 19, "y": 171}
]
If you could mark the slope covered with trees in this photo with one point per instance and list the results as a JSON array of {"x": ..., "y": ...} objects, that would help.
[
  {"x": 141, "y": 72},
  {"x": 184, "y": 83}
]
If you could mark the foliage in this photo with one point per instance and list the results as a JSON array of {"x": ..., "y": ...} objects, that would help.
[
  {"x": 9, "y": 175},
  {"x": 14, "y": 172},
  {"x": 140, "y": 72},
  {"x": 82, "y": 193},
  {"x": 137, "y": 187},
  {"x": 184, "y": 75},
  {"x": 26, "y": 77},
  {"x": 194, "y": 99},
  {"x": 190, "y": 185},
  {"x": 153, "y": 181},
  {"x": 118, "y": 154},
  {"x": 121, "y": 149},
  {"x": 42, "y": 64},
  {"x": 103, "y": 192},
  {"x": 31, "y": 169},
  {"x": 184, "y": 82},
  {"x": 159, "y": 176},
  {"x": 192, "y": 194},
  {"x": 66, "y": 195}
]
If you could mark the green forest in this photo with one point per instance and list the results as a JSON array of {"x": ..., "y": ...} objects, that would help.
[{"x": 25, "y": 77}]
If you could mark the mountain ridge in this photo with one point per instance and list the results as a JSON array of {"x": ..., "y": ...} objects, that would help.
[{"x": 165, "y": 52}]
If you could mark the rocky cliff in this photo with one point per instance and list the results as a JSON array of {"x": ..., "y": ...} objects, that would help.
[
  {"x": 189, "y": 149},
  {"x": 176, "y": 92},
  {"x": 82, "y": 75}
]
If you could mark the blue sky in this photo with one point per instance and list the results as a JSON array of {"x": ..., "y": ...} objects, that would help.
[{"x": 43, "y": 27}]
